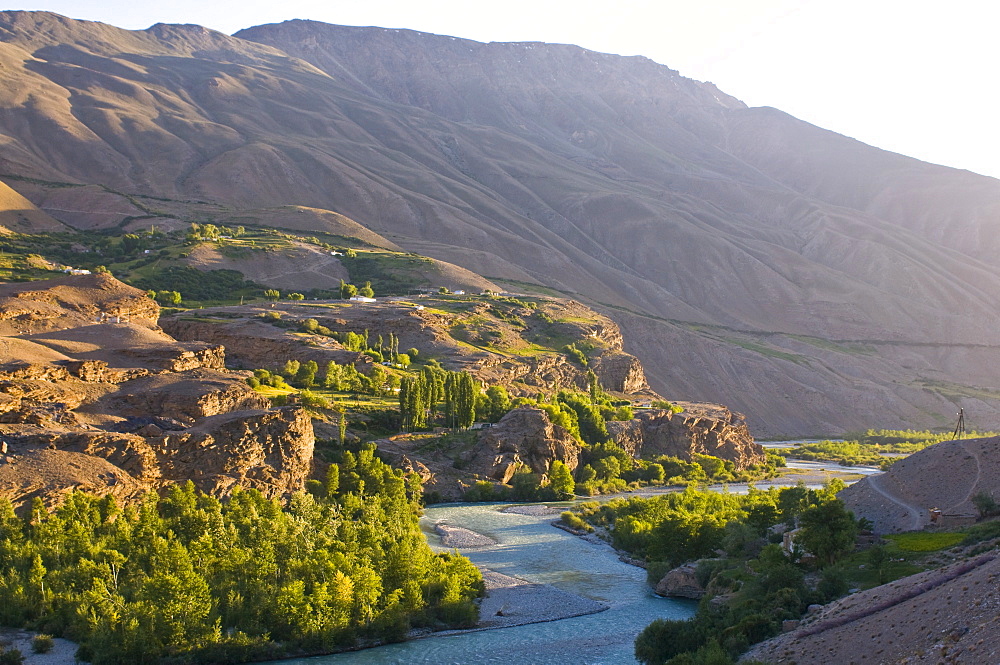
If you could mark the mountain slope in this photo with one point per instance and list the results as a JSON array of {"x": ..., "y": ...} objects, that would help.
[{"x": 718, "y": 236}]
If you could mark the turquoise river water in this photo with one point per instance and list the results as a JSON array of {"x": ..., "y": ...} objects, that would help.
[{"x": 532, "y": 549}]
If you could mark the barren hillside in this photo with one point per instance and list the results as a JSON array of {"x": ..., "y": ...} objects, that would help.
[
  {"x": 737, "y": 248},
  {"x": 945, "y": 476}
]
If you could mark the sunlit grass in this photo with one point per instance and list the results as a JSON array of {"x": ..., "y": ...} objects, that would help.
[{"x": 926, "y": 541}]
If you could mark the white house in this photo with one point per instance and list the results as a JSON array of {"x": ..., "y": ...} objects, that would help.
[{"x": 362, "y": 299}]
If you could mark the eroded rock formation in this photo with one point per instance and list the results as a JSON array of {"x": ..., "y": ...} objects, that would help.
[
  {"x": 110, "y": 404},
  {"x": 706, "y": 429},
  {"x": 523, "y": 438}
]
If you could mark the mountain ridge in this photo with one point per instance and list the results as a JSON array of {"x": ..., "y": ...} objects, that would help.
[{"x": 612, "y": 179}]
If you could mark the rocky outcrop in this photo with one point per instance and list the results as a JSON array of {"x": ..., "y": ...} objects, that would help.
[
  {"x": 621, "y": 372},
  {"x": 270, "y": 347},
  {"x": 523, "y": 438},
  {"x": 121, "y": 408},
  {"x": 705, "y": 429},
  {"x": 681, "y": 582},
  {"x": 270, "y": 451},
  {"x": 72, "y": 301},
  {"x": 185, "y": 396}
]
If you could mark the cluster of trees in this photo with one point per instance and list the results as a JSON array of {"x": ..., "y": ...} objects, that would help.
[
  {"x": 766, "y": 584},
  {"x": 275, "y": 294},
  {"x": 166, "y": 298},
  {"x": 384, "y": 349},
  {"x": 340, "y": 378},
  {"x": 198, "y": 284},
  {"x": 870, "y": 447},
  {"x": 192, "y": 578},
  {"x": 435, "y": 392},
  {"x": 348, "y": 291},
  {"x": 212, "y": 232}
]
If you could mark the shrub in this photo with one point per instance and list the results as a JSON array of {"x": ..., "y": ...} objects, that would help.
[
  {"x": 42, "y": 643},
  {"x": 985, "y": 504},
  {"x": 573, "y": 521},
  {"x": 11, "y": 657}
]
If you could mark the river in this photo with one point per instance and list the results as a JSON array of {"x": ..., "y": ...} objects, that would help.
[{"x": 531, "y": 549}]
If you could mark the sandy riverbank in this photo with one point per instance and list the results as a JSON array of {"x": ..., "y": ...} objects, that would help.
[
  {"x": 511, "y": 601},
  {"x": 62, "y": 653}
]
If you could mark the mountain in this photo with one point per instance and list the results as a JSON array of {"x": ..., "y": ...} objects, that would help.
[{"x": 811, "y": 281}]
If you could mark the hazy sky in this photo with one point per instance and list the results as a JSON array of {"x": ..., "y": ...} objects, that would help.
[{"x": 912, "y": 76}]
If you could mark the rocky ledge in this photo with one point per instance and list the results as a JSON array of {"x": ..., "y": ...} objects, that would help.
[
  {"x": 94, "y": 396},
  {"x": 705, "y": 429}
]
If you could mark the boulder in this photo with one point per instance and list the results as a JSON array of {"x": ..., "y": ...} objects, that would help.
[{"x": 681, "y": 582}]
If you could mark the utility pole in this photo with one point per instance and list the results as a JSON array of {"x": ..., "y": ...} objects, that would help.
[{"x": 960, "y": 426}]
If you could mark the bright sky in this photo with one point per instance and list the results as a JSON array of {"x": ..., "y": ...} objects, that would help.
[{"x": 911, "y": 76}]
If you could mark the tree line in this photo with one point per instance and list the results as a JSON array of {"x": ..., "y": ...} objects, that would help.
[
  {"x": 739, "y": 557},
  {"x": 191, "y": 578}
]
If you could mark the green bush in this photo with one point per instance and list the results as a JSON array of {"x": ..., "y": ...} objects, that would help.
[
  {"x": 11, "y": 657},
  {"x": 42, "y": 643},
  {"x": 573, "y": 521}
]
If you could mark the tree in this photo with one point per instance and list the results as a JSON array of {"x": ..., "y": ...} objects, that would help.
[
  {"x": 170, "y": 298},
  {"x": 131, "y": 242},
  {"x": 296, "y": 296},
  {"x": 305, "y": 375},
  {"x": 341, "y": 423},
  {"x": 333, "y": 377},
  {"x": 561, "y": 480},
  {"x": 827, "y": 530},
  {"x": 366, "y": 290},
  {"x": 347, "y": 291},
  {"x": 272, "y": 294},
  {"x": 985, "y": 504},
  {"x": 495, "y": 404}
]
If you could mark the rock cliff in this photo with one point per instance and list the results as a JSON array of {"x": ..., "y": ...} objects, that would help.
[
  {"x": 523, "y": 438},
  {"x": 119, "y": 407},
  {"x": 270, "y": 346},
  {"x": 706, "y": 429}
]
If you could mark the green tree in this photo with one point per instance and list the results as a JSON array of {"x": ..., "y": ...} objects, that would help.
[
  {"x": 347, "y": 291},
  {"x": 827, "y": 530},
  {"x": 272, "y": 294},
  {"x": 561, "y": 480},
  {"x": 985, "y": 504},
  {"x": 169, "y": 298},
  {"x": 366, "y": 290}
]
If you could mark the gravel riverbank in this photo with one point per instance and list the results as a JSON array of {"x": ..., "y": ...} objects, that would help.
[
  {"x": 461, "y": 538},
  {"x": 63, "y": 652}
]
